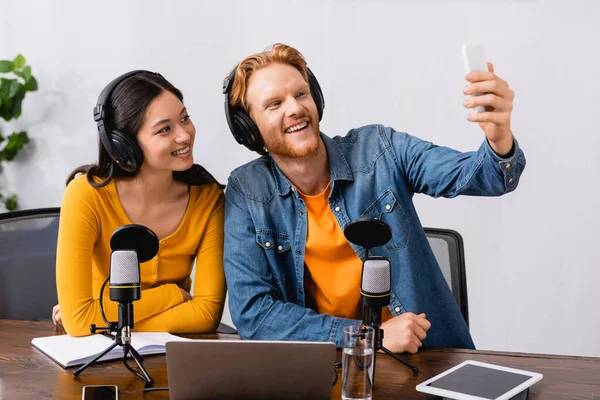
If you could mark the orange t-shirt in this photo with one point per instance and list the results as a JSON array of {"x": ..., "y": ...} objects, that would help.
[{"x": 332, "y": 268}]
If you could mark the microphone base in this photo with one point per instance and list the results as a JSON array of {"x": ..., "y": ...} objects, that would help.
[
  {"x": 393, "y": 355},
  {"x": 414, "y": 369},
  {"x": 378, "y": 344},
  {"x": 127, "y": 349}
]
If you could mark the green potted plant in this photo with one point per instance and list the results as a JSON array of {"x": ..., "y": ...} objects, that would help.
[{"x": 15, "y": 81}]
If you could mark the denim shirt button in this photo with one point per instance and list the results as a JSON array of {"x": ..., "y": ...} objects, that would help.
[
  {"x": 268, "y": 244},
  {"x": 388, "y": 207},
  {"x": 397, "y": 309},
  {"x": 337, "y": 209},
  {"x": 510, "y": 180},
  {"x": 301, "y": 212},
  {"x": 300, "y": 291},
  {"x": 507, "y": 165},
  {"x": 279, "y": 248},
  {"x": 298, "y": 252}
]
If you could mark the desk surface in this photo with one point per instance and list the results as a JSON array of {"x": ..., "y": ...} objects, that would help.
[{"x": 27, "y": 373}]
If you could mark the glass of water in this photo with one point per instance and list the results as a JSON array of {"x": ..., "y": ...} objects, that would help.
[{"x": 357, "y": 363}]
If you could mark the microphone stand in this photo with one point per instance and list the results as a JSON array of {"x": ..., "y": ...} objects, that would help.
[
  {"x": 122, "y": 338},
  {"x": 372, "y": 318},
  {"x": 368, "y": 233}
]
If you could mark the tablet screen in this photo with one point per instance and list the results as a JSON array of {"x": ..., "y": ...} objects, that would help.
[{"x": 479, "y": 381}]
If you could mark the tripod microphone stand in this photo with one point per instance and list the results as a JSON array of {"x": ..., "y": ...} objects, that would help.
[
  {"x": 375, "y": 289},
  {"x": 121, "y": 338},
  {"x": 374, "y": 321},
  {"x": 131, "y": 244}
]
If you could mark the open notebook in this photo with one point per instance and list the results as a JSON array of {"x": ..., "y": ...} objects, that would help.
[{"x": 69, "y": 351}]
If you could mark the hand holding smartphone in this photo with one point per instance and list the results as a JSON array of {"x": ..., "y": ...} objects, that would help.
[{"x": 475, "y": 61}]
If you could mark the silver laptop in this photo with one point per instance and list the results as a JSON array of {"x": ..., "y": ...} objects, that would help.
[{"x": 248, "y": 369}]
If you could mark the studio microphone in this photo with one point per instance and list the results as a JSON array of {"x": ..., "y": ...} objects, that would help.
[
  {"x": 375, "y": 281},
  {"x": 124, "y": 287},
  {"x": 131, "y": 245},
  {"x": 375, "y": 292}
]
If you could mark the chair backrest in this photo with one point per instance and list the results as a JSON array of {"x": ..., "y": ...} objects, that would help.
[
  {"x": 28, "y": 264},
  {"x": 447, "y": 246}
]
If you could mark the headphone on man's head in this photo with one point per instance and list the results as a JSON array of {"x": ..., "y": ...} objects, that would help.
[
  {"x": 123, "y": 149},
  {"x": 242, "y": 127}
]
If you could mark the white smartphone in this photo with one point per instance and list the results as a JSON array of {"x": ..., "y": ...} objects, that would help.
[
  {"x": 475, "y": 61},
  {"x": 100, "y": 392}
]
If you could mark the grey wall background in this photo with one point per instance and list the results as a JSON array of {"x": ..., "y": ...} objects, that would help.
[{"x": 531, "y": 256}]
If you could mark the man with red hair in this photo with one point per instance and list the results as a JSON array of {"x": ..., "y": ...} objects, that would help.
[{"x": 290, "y": 271}]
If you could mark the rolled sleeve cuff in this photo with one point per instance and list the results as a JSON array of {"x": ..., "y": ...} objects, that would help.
[
  {"x": 511, "y": 166},
  {"x": 336, "y": 334}
]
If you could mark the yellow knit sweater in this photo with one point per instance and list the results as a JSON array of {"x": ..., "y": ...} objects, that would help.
[{"x": 88, "y": 218}]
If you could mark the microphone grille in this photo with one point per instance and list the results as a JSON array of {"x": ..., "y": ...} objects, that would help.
[
  {"x": 376, "y": 276},
  {"x": 124, "y": 267}
]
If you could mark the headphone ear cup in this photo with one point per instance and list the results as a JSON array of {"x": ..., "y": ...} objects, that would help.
[
  {"x": 235, "y": 127},
  {"x": 317, "y": 93},
  {"x": 248, "y": 132},
  {"x": 127, "y": 152}
]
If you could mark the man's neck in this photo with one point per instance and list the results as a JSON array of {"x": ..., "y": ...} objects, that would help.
[{"x": 309, "y": 174}]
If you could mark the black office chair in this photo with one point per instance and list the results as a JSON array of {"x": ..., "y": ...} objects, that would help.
[
  {"x": 447, "y": 246},
  {"x": 27, "y": 264}
]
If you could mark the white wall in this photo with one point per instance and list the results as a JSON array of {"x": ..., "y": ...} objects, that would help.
[{"x": 531, "y": 257}]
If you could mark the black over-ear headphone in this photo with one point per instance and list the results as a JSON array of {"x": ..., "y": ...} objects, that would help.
[
  {"x": 241, "y": 125},
  {"x": 123, "y": 149}
]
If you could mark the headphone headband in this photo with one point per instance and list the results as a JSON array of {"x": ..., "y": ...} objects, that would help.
[
  {"x": 107, "y": 91},
  {"x": 123, "y": 149}
]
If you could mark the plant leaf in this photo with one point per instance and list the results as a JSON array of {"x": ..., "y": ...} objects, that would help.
[
  {"x": 6, "y": 109},
  {"x": 16, "y": 141},
  {"x": 18, "y": 62},
  {"x": 25, "y": 73},
  {"x": 31, "y": 84},
  {"x": 6, "y": 66},
  {"x": 11, "y": 203},
  {"x": 5, "y": 87},
  {"x": 14, "y": 88},
  {"x": 15, "y": 110}
]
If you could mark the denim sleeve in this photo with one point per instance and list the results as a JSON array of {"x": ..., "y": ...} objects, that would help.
[
  {"x": 443, "y": 172},
  {"x": 255, "y": 303}
]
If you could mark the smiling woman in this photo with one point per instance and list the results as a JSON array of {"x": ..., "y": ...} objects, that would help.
[{"x": 145, "y": 175}]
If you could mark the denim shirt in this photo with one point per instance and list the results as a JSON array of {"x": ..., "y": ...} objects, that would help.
[{"x": 375, "y": 172}]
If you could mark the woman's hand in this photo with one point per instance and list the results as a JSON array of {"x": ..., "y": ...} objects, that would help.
[{"x": 56, "y": 318}]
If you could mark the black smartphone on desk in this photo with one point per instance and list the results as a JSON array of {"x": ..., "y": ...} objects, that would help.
[{"x": 100, "y": 392}]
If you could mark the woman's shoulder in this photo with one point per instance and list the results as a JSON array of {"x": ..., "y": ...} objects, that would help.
[
  {"x": 79, "y": 190},
  {"x": 83, "y": 187},
  {"x": 80, "y": 186},
  {"x": 207, "y": 195}
]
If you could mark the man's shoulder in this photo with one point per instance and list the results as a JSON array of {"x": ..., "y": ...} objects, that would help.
[
  {"x": 260, "y": 165},
  {"x": 361, "y": 146},
  {"x": 254, "y": 179},
  {"x": 365, "y": 133}
]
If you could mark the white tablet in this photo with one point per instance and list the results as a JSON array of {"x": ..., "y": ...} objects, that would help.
[{"x": 474, "y": 380}]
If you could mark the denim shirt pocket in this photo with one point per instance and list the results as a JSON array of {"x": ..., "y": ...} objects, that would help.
[
  {"x": 277, "y": 248},
  {"x": 387, "y": 209}
]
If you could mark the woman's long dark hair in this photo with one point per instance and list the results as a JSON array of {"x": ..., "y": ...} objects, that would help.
[{"x": 126, "y": 109}]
